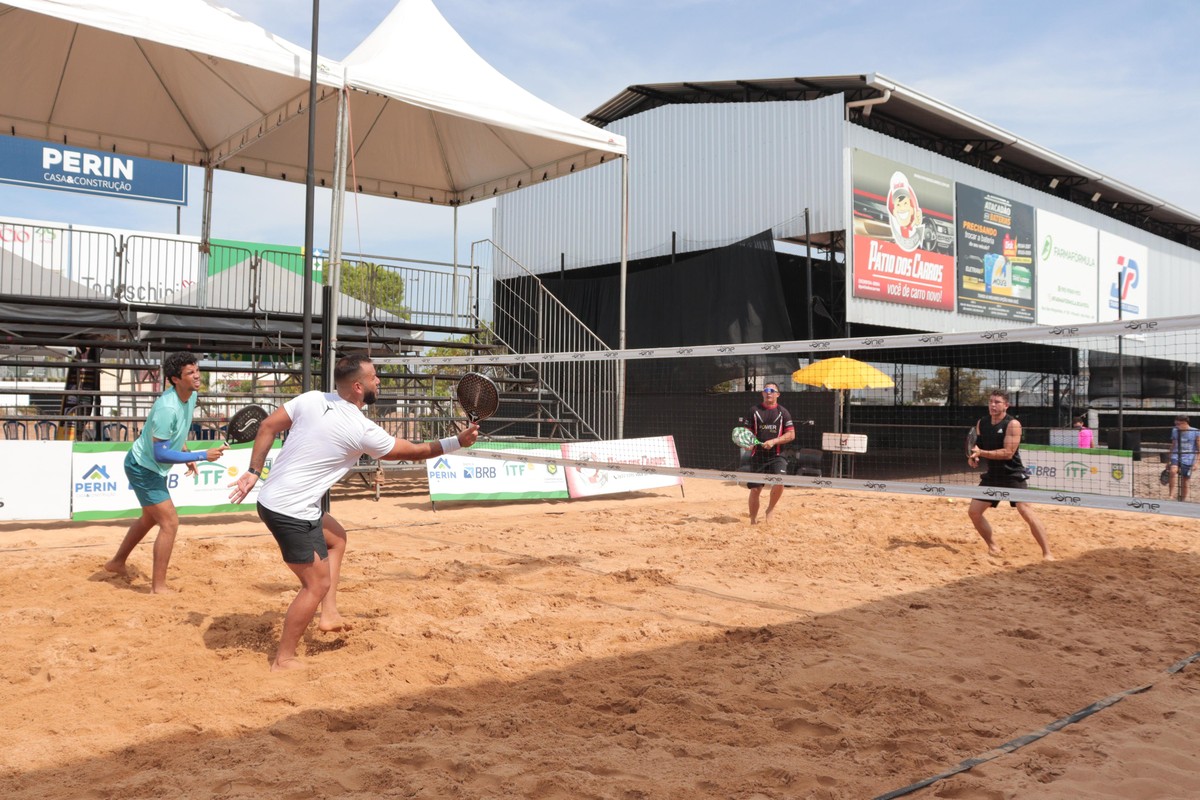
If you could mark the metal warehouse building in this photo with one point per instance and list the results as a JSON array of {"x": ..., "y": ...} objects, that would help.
[{"x": 819, "y": 163}]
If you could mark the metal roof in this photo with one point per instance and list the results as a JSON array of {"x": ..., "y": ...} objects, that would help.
[{"x": 883, "y": 105}]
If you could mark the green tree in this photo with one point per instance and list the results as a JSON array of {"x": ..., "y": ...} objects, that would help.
[
  {"x": 374, "y": 285},
  {"x": 971, "y": 391}
]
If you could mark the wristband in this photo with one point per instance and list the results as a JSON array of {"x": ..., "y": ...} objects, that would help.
[
  {"x": 255, "y": 472},
  {"x": 449, "y": 444}
]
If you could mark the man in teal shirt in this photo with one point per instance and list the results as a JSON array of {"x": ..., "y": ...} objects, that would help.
[{"x": 162, "y": 443}]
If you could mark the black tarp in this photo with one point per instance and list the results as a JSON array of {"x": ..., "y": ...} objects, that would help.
[{"x": 730, "y": 295}]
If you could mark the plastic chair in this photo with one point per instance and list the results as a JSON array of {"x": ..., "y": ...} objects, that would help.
[
  {"x": 45, "y": 429},
  {"x": 116, "y": 432},
  {"x": 15, "y": 429}
]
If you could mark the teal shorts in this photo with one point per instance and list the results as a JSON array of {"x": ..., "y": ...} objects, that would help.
[{"x": 148, "y": 485}]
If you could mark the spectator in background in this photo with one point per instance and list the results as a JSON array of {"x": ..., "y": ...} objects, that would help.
[
  {"x": 1184, "y": 442},
  {"x": 1085, "y": 433}
]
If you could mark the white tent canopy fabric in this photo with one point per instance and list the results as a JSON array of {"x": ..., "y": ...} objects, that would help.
[
  {"x": 431, "y": 121},
  {"x": 182, "y": 81}
]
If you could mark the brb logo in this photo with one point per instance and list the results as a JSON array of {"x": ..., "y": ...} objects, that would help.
[{"x": 1120, "y": 290}]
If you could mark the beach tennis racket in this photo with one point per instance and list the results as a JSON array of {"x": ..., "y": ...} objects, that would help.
[
  {"x": 478, "y": 396},
  {"x": 972, "y": 438},
  {"x": 243, "y": 425},
  {"x": 742, "y": 437}
]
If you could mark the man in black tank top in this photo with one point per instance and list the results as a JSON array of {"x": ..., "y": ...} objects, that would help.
[
  {"x": 772, "y": 425},
  {"x": 998, "y": 443}
]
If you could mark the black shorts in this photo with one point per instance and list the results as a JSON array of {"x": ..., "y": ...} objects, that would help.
[
  {"x": 298, "y": 539},
  {"x": 764, "y": 464},
  {"x": 1001, "y": 482}
]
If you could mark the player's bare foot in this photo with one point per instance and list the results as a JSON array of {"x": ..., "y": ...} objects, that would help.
[
  {"x": 993, "y": 550},
  {"x": 1048, "y": 557},
  {"x": 163, "y": 590},
  {"x": 332, "y": 623},
  {"x": 117, "y": 568},
  {"x": 287, "y": 664}
]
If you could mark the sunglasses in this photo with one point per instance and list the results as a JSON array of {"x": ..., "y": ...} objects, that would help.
[{"x": 770, "y": 391}]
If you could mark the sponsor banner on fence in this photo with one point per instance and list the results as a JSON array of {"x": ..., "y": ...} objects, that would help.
[
  {"x": 903, "y": 241},
  {"x": 1076, "y": 471},
  {"x": 100, "y": 490},
  {"x": 1067, "y": 259},
  {"x": 652, "y": 451},
  {"x": 995, "y": 255},
  {"x": 35, "y": 480},
  {"x": 1123, "y": 279},
  {"x": 460, "y": 477}
]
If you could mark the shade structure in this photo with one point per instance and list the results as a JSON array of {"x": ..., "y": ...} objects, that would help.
[
  {"x": 842, "y": 372},
  {"x": 184, "y": 81},
  {"x": 430, "y": 120}
]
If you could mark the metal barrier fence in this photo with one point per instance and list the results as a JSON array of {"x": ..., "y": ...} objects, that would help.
[
  {"x": 63, "y": 263},
  {"x": 529, "y": 319}
]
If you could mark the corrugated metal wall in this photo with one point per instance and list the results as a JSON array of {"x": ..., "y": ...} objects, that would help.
[{"x": 711, "y": 174}]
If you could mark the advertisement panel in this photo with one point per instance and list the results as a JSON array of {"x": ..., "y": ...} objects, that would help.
[
  {"x": 460, "y": 477},
  {"x": 1067, "y": 262},
  {"x": 1070, "y": 469},
  {"x": 995, "y": 255},
  {"x": 653, "y": 451},
  {"x": 35, "y": 480},
  {"x": 903, "y": 240},
  {"x": 100, "y": 490},
  {"x": 1123, "y": 267},
  {"x": 46, "y": 165}
]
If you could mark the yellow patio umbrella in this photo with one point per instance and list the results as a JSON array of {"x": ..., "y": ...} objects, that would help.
[{"x": 842, "y": 373}]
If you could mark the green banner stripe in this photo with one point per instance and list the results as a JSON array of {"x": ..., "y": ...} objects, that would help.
[{"x": 439, "y": 498}]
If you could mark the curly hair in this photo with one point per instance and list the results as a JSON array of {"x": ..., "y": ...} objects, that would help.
[{"x": 172, "y": 365}]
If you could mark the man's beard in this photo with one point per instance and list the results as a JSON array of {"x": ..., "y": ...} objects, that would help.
[{"x": 369, "y": 397}]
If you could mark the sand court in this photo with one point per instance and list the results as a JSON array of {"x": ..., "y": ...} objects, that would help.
[{"x": 645, "y": 646}]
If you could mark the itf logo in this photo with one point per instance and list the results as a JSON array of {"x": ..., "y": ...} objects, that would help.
[{"x": 1119, "y": 291}]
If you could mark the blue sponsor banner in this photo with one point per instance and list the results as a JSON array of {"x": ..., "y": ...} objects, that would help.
[{"x": 28, "y": 162}]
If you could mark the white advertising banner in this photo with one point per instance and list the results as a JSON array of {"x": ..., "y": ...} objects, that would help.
[
  {"x": 35, "y": 480},
  {"x": 1123, "y": 268},
  {"x": 100, "y": 490},
  {"x": 653, "y": 451},
  {"x": 1068, "y": 257},
  {"x": 460, "y": 477},
  {"x": 1070, "y": 469}
]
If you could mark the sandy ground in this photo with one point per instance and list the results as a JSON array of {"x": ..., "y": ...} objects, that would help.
[{"x": 647, "y": 646}]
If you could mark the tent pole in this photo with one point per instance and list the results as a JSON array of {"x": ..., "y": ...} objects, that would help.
[
  {"x": 624, "y": 285},
  {"x": 205, "y": 236},
  {"x": 336, "y": 223},
  {"x": 454, "y": 279},
  {"x": 309, "y": 204}
]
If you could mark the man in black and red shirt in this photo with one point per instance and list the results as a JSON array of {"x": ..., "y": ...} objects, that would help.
[{"x": 772, "y": 425}]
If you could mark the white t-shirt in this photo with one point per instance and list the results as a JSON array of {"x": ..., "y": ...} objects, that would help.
[{"x": 326, "y": 439}]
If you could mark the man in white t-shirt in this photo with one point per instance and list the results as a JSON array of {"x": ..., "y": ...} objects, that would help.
[{"x": 327, "y": 433}]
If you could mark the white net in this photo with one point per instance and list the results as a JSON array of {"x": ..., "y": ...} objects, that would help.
[{"x": 1097, "y": 405}]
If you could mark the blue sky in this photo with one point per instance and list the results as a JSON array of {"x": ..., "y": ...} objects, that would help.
[{"x": 1109, "y": 85}]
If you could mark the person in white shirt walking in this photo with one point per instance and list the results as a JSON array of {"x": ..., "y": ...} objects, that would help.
[{"x": 327, "y": 433}]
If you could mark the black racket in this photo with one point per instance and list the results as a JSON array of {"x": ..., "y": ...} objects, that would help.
[
  {"x": 478, "y": 396},
  {"x": 972, "y": 437},
  {"x": 243, "y": 425}
]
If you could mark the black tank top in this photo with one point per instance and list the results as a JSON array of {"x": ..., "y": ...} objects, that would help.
[{"x": 991, "y": 437}]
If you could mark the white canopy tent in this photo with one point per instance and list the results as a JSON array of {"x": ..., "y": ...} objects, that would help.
[
  {"x": 191, "y": 82},
  {"x": 182, "y": 81}
]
